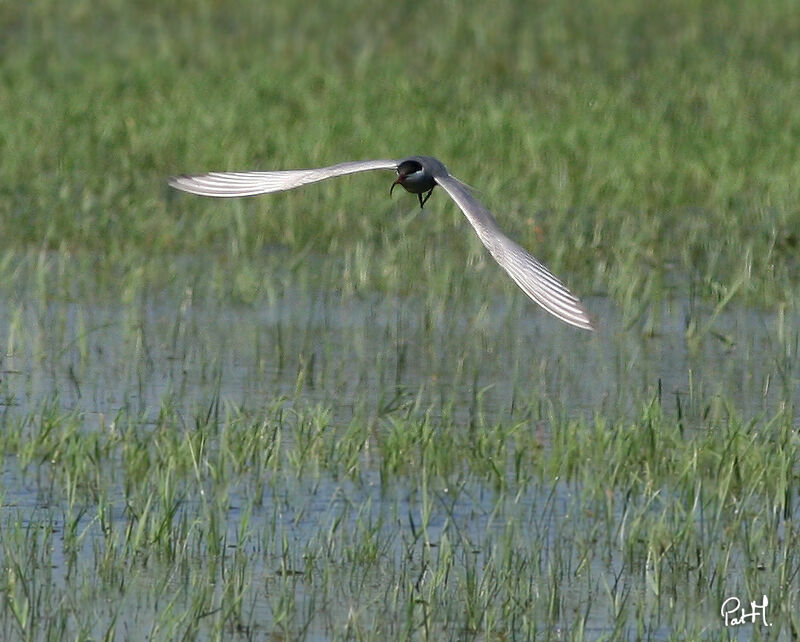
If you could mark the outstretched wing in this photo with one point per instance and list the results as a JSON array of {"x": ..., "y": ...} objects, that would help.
[
  {"x": 231, "y": 184},
  {"x": 539, "y": 283}
]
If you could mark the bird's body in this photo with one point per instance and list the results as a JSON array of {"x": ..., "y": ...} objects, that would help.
[{"x": 418, "y": 175}]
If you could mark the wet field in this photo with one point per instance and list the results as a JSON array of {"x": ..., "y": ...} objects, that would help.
[{"x": 324, "y": 463}]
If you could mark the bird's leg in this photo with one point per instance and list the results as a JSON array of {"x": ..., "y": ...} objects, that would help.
[{"x": 422, "y": 201}]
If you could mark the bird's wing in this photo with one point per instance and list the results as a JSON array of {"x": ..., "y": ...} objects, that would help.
[
  {"x": 231, "y": 184},
  {"x": 539, "y": 283}
]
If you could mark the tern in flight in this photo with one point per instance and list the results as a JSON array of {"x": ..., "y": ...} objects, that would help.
[{"x": 417, "y": 175}]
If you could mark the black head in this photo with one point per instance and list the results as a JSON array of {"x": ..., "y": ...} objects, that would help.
[
  {"x": 405, "y": 169},
  {"x": 408, "y": 167}
]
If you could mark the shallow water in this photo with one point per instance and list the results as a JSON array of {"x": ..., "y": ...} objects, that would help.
[
  {"x": 362, "y": 356},
  {"x": 101, "y": 357}
]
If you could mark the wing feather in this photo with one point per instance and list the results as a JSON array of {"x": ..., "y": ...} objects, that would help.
[
  {"x": 539, "y": 283},
  {"x": 233, "y": 184}
]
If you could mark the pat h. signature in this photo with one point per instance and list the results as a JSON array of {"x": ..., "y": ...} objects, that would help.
[{"x": 735, "y": 614}]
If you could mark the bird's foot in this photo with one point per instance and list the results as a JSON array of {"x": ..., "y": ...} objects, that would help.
[{"x": 422, "y": 201}]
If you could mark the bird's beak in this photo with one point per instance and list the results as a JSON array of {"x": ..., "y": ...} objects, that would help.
[{"x": 398, "y": 181}]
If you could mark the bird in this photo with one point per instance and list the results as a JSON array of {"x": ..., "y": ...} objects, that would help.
[{"x": 417, "y": 175}]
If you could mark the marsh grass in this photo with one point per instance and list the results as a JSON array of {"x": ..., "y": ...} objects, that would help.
[
  {"x": 394, "y": 495},
  {"x": 325, "y": 414},
  {"x": 624, "y": 138}
]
